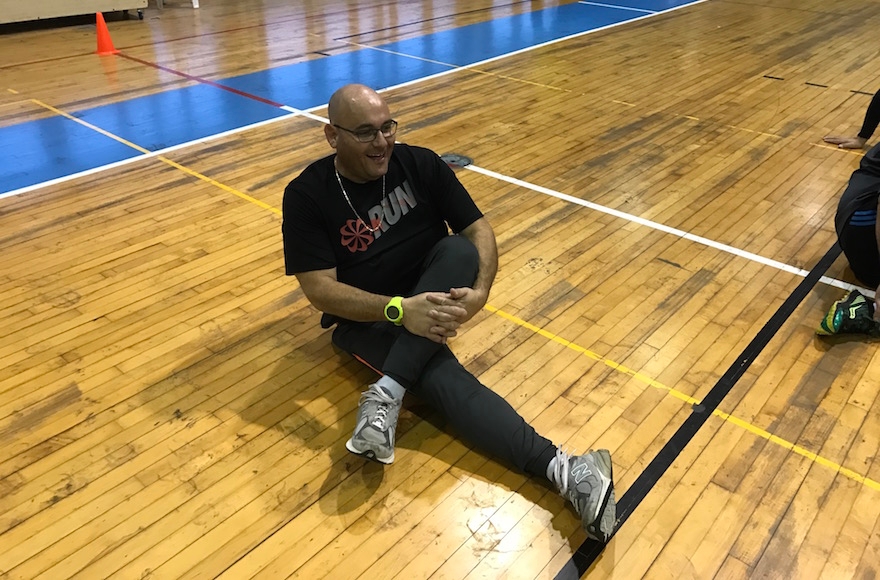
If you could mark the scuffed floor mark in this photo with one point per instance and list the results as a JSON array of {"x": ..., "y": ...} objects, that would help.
[{"x": 34, "y": 415}]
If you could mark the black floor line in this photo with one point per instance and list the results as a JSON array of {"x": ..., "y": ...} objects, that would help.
[{"x": 590, "y": 550}]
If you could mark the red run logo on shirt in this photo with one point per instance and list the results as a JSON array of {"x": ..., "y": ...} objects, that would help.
[{"x": 355, "y": 236}]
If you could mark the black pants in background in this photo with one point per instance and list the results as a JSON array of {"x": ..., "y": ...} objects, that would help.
[{"x": 858, "y": 240}]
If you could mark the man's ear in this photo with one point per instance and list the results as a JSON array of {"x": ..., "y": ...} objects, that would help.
[{"x": 331, "y": 134}]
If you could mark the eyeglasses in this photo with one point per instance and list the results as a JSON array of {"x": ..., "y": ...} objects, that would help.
[{"x": 368, "y": 134}]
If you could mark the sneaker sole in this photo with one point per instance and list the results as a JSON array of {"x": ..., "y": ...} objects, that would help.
[
  {"x": 826, "y": 327},
  {"x": 603, "y": 526},
  {"x": 370, "y": 454},
  {"x": 607, "y": 521}
]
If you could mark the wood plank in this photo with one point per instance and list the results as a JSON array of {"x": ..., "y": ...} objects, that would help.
[{"x": 172, "y": 409}]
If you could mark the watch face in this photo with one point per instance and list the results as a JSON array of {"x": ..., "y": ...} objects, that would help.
[{"x": 392, "y": 312}]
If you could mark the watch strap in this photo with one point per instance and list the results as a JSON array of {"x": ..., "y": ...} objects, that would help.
[{"x": 394, "y": 310}]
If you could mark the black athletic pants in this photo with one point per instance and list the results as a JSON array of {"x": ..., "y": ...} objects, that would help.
[
  {"x": 872, "y": 117},
  {"x": 858, "y": 240},
  {"x": 430, "y": 370}
]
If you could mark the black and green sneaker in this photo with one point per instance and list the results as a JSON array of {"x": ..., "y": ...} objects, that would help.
[{"x": 854, "y": 314}]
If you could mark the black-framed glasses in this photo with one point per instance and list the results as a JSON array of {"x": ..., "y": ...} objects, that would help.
[{"x": 368, "y": 134}]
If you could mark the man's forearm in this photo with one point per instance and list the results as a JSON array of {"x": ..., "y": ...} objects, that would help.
[
  {"x": 339, "y": 299},
  {"x": 483, "y": 238}
]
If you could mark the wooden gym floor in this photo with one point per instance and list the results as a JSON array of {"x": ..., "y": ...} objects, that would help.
[{"x": 169, "y": 407}]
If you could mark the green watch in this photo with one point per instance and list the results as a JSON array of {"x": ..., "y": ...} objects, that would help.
[{"x": 394, "y": 310}]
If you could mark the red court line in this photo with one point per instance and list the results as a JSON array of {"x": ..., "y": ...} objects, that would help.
[
  {"x": 201, "y": 80},
  {"x": 264, "y": 25},
  {"x": 167, "y": 41},
  {"x": 224, "y": 31},
  {"x": 13, "y": 65}
]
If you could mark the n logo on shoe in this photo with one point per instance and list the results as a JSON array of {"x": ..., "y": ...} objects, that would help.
[{"x": 580, "y": 472}]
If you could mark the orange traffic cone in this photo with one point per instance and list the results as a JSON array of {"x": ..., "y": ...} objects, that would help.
[{"x": 105, "y": 44}]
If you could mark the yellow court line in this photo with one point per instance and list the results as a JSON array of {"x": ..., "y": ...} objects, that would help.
[
  {"x": 858, "y": 152},
  {"x": 523, "y": 81},
  {"x": 551, "y": 87},
  {"x": 691, "y": 117},
  {"x": 757, "y": 132},
  {"x": 541, "y": 85},
  {"x": 162, "y": 158},
  {"x": 546, "y": 334},
  {"x": 590, "y": 354},
  {"x": 867, "y": 481},
  {"x": 10, "y": 103},
  {"x": 755, "y": 430}
]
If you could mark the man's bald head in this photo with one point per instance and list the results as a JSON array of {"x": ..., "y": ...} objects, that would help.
[{"x": 350, "y": 101}]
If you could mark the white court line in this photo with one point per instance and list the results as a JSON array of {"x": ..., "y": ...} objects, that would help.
[
  {"x": 669, "y": 230},
  {"x": 520, "y": 51},
  {"x": 584, "y": 203},
  {"x": 305, "y": 112},
  {"x": 576, "y": 200},
  {"x": 618, "y": 7}
]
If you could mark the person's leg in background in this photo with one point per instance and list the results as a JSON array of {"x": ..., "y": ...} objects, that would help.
[
  {"x": 858, "y": 240},
  {"x": 854, "y": 314}
]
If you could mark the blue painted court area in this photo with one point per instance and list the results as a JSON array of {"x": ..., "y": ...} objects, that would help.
[
  {"x": 170, "y": 118},
  {"x": 479, "y": 42},
  {"x": 47, "y": 149},
  {"x": 39, "y": 151}
]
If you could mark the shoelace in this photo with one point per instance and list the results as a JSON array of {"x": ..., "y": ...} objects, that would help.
[
  {"x": 381, "y": 415},
  {"x": 560, "y": 471},
  {"x": 378, "y": 395}
]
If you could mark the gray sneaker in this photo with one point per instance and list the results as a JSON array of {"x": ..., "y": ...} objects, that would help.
[
  {"x": 373, "y": 435},
  {"x": 586, "y": 481}
]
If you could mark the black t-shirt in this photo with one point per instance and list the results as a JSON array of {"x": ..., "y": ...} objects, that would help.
[
  {"x": 863, "y": 189},
  {"x": 321, "y": 231}
]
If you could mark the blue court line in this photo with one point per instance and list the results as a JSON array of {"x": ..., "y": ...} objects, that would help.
[{"x": 50, "y": 149}]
